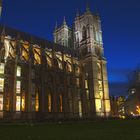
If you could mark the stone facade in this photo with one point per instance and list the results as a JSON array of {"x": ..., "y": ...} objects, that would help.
[{"x": 62, "y": 80}]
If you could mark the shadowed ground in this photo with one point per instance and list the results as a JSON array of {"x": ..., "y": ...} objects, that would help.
[{"x": 95, "y": 130}]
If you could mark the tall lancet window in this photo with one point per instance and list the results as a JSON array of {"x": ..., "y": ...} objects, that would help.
[
  {"x": 84, "y": 33},
  {"x": 60, "y": 103},
  {"x": 88, "y": 31},
  {"x": 1, "y": 102},
  {"x": 37, "y": 101},
  {"x": 49, "y": 103},
  {"x": 94, "y": 33},
  {"x": 80, "y": 108}
]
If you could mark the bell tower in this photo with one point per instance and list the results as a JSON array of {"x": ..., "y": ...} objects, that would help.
[
  {"x": 88, "y": 42},
  {"x": 63, "y": 34}
]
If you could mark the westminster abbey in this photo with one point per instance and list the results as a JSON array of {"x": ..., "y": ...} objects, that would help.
[{"x": 64, "y": 79}]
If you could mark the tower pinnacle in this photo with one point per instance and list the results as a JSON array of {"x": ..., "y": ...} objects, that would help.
[
  {"x": 56, "y": 25},
  {"x": 64, "y": 21},
  {"x": 87, "y": 7},
  {"x": 77, "y": 13}
]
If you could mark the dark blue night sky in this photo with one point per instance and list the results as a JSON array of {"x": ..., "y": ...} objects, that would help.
[{"x": 120, "y": 25}]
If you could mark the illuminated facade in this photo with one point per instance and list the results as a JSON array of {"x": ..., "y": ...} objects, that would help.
[{"x": 62, "y": 80}]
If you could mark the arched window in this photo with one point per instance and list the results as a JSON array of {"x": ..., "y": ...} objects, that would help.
[
  {"x": 49, "y": 103},
  {"x": 88, "y": 31},
  {"x": 23, "y": 102},
  {"x": 60, "y": 103},
  {"x": 94, "y": 33},
  {"x": 37, "y": 55},
  {"x": 80, "y": 108},
  {"x": 84, "y": 33},
  {"x": 37, "y": 101}
]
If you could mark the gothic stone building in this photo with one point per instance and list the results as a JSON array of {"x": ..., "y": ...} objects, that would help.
[{"x": 66, "y": 79}]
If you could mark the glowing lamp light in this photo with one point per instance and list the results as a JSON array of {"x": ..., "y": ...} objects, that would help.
[{"x": 138, "y": 109}]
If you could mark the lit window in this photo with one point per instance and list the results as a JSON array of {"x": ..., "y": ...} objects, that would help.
[
  {"x": 18, "y": 103},
  {"x": 7, "y": 104},
  {"x": 101, "y": 94},
  {"x": 77, "y": 82},
  {"x": 1, "y": 68},
  {"x": 25, "y": 52},
  {"x": 49, "y": 103},
  {"x": 97, "y": 37},
  {"x": 86, "y": 84},
  {"x": 100, "y": 89},
  {"x": 87, "y": 94},
  {"x": 100, "y": 37},
  {"x": 18, "y": 87},
  {"x": 1, "y": 84},
  {"x": 1, "y": 102},
  {"x": 23, "y": 102},
  {"x": 61, "y": 104},
  {"x": 98, "y": 105},
  {"x": 49, "y": 58},
  {"x": 80, "y": 109},
  {"x": 100, "y": 85},
  {"x": 18, "y": 71},
  {"x": 37, "y": 102},
  {"x": 37, "y": 54},
  {"x": 107, "y": 105}
]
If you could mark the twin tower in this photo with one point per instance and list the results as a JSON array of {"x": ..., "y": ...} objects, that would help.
[{"x": 86, "y": 38}]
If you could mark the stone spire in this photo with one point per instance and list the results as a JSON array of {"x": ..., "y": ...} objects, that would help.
[
  {"x": 64, "y": 21},
  {"x": 3, "y": 30},
  {"x": 77, "y": 13},
  {"x": 97, "y": 12},
  {"x": 56, "y": 25},
  {"x": 88, "y": 7}
]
